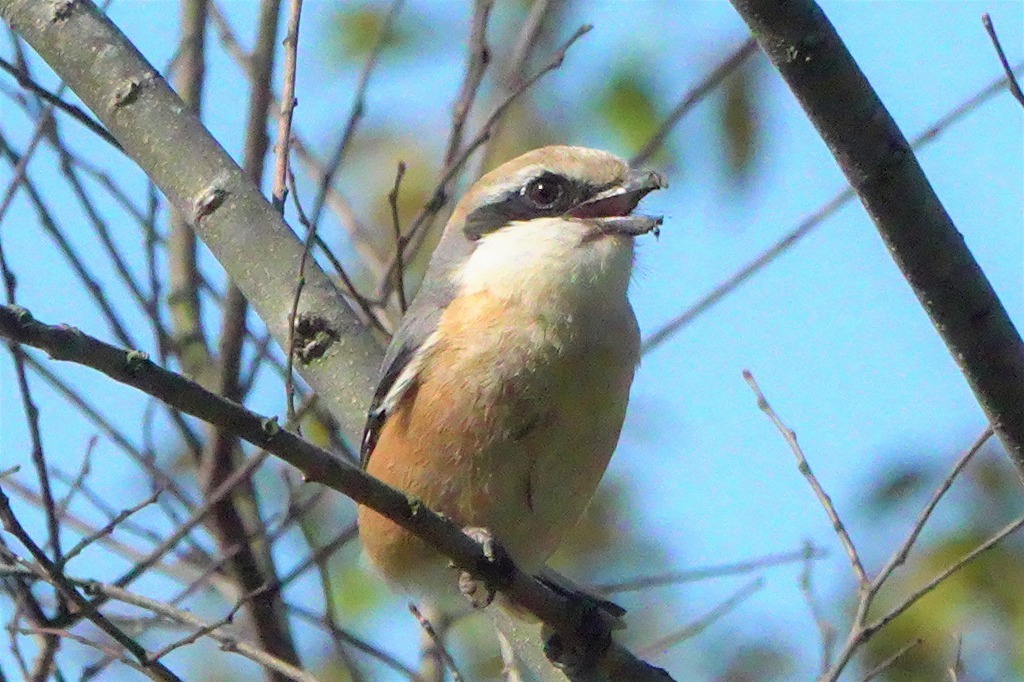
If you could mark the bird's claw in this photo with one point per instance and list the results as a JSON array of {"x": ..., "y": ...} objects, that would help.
[
  {"x": 578, "y": 658},
  {"x": 477, "y": 590}
]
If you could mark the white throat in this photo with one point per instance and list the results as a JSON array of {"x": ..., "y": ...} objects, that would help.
[{"x": 553, "y": 265}]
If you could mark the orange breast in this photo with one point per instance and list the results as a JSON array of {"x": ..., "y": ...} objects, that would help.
[{"x": 509, "y": 427}]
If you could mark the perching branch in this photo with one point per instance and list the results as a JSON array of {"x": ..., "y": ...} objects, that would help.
[
  {"x": 133, "y": 368},
  {"x": 882, "y": 169}
]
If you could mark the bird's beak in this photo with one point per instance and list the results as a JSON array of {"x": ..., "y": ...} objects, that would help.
[{"x": 611, "y": 210}]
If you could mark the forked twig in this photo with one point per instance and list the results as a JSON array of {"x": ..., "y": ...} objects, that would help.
[
  {"x": 826, "y": 502},
  {"x": 1011, "y": 79}
]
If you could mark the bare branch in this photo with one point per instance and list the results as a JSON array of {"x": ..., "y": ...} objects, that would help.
[
  {"x": 433, "y": 650},
  {"x": 702, "y": 624},
  {"x": 909, "y": 601},
  {"x": 720, "y": 571},
  {"x": 861, "y": 629},
  {"x": 826, "y": 631},
  {"x": 1011, "y": 79},
  {"x": 476, "y": 66},
  {"x": 694, "y": 97},
  {"x": 105, "y": 530},
  {"x": 417, "y": 229},
  {"x": 289, "y": 379},
  {"x": 52, "y": 573},
  {"x": 190, "y": 344},
  {"x": 808, "y": 224},
  {"x": 826, "y": 502},
  {"x": 901, "y": 554},
  {"x": 356, "y": 114},
  {"x": 288, "y": 102},
  {"x": 399, "y": 239},
  {"x": 199, "y": 178},
  {"x": 73, "y": 110},
  {"x": 891, "y": 660},
  {"x": 881, "y": 167}
]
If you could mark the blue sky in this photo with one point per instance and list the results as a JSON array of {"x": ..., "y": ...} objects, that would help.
[{"x": 833, "y": 334}]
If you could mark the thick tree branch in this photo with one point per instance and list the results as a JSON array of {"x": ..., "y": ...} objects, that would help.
[
  {"x": 882, "y": 169},
  {"x": 254, "y": 245}
]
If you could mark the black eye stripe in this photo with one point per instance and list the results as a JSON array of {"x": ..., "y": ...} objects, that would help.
[{"x": 517, "y": 206}]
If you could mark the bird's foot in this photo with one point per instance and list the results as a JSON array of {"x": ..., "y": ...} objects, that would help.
[
  {"x": 478, "y": 587},
  {"x": 578, "y": 654}
]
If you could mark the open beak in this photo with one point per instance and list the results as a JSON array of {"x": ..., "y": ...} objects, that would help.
[{"x": 611, "y": 210}]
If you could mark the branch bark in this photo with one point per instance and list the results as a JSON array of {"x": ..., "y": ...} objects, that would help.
[
  {"x": 251, "y": 241},
  {"x": 883, "y": 170}
]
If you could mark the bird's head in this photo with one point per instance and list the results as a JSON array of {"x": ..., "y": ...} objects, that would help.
[
  {"x": 552, "y": 216},
  {"x": 581, "y": 186}
]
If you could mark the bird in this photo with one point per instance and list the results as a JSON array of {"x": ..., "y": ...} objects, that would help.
[{"x": 503, "y": 391}]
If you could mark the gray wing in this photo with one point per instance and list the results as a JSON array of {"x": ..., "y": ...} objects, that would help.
[{"x": 417, "y": 327}]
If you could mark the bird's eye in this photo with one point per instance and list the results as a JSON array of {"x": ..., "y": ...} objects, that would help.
[{"x": 545, "y": 191}]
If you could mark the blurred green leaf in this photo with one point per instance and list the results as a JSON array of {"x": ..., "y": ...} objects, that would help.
[
  {"x": 355, "y": 591},
  {"x": 356, "y": 29},
  {"x": 759, "y": 662},
  {"x": 628, "y": 105},
  {"x": 897, "y": 486},
  {"x": 739, "y": 124}
]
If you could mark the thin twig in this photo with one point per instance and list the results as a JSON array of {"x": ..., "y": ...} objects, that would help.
[
  {"x": 73, "y": 110},
  {"x": 890, "y": 661},
  {"x": 288, "y": 102},
  {"x": 199, "y": 633},
  {"x": 51, "y": 225},
  {"x": 826, "y": 502},
  {"x": 184, "y": 567},
  {"x": 106, "y": 529},
  {"x": 900, "y": 608},
  {"x": 315, "y": 168},
  {"x": 706, "y": 573},
  {"x": 901, "y": 554},
  {"x": 55, "y": 576},
  {"x": 300, "y": 283},
  {"x": 808, "y": 224},
  {"x": 826, "y": 631},
  {"x": 399, "y": 239},
  {"x": 189, "y": 337},
  {"x": 1011, "y": 79},
  {"x": 476, "y": 66},
  {"x": 694, "y": 97},
  {"x": 861, "y": 630},
  {"x": 38, "y": 456},
  {"x": 110, "y": 652},
  {"x": 336, "y": 633},
  {"x": 511, "y": 74},
  {"x": 356, "y": 114},
  {"x": 416, "y": 232},
  {"x": 438, "y": 647},
  {"x": 227, "y": 641},
  {"x": 702, "y": 624},
  {"x": 159, "y": 477}
]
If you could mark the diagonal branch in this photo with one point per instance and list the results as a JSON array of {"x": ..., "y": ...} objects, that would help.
[
  {"x": 557, "y": 610},
  {"x": 881, "y": 167},
  {"x": 814, "y": 220},
  {"x": 257, "y": 249}
]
